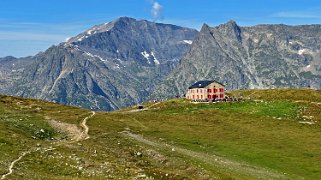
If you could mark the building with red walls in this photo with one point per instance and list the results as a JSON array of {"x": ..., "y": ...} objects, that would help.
[{"x": 206, "y": 90}]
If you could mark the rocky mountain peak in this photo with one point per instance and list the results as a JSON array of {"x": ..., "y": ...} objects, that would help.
[
  {"x": 106, "y": 67},
  {"x": 125, "y": 20},
  {"x": 231, "y": 23},
  {"x": 230, "y": 29},
  {"x": 118, "y": 23},
  {"x": 205, "y": 28}
]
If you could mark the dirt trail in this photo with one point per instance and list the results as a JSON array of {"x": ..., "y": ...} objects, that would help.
[
  {"x": 213, "y": 160},
  {"x": 84, "y": 134},
  {"x": 13, "y": 163},
  {"x": 301, "y": 101},
  {"x": 76, "y": 134}
]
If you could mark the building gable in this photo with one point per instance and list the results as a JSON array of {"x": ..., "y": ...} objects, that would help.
[{"x": 203, "y": 84}]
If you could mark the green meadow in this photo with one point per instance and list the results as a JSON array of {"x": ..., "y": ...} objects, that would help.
[{"x": 270, "y": 134}]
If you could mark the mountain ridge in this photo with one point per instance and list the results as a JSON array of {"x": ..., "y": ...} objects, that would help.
[
  {"x": 261, "y": 56},
  {"x": 106, "y": 70}
]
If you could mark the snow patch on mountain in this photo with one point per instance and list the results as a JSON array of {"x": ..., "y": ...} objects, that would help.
[
  {"x": 67, "y": 39},
  {"x": 91, "y": 31},
  {"x": 95, "y": 56},
  {"x": 155, "y": 59},
  {"x": 82, "y": 38},
  {"x": 309, "y": 68},
  {"x": 188, "y": 41},
  {"x": 146, "y": 56},
  {"x": 303, "y": 51}
]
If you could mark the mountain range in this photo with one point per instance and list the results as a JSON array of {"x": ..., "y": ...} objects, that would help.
[
  {"x": 110, "y": 66},
  {"x": 128, "y": 61}
]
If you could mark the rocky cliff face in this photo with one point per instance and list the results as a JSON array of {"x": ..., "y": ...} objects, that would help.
[
  {"x": 109, "y": 66},
  {"x": 262, "y": 56}
]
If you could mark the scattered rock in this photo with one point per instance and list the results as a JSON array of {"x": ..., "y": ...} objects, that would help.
[
  {"x": 141, "y": 175},
  {"x": 306, "y": 122}
]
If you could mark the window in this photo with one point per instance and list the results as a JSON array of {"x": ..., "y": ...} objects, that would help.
[
  {"x": 196, "y": 90},
  {"x": 209, "y": 96},
  {"x": 222, "y": 96},
  {"x": 209, "y": 90},
  {"x": 221, "y": 89},
  {"x": 193, "y": 96},
  {"x": 198, "y": 96},
  {"x": 201, "y": 96},
  {"x": 201, "y": 91},
  {"x": 215, "y": 90}
]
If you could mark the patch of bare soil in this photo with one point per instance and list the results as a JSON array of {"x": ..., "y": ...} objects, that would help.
[{"x": 72, "y": 130}]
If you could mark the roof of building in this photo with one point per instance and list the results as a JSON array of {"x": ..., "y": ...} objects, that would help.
[{"x": 202, "y": 84}]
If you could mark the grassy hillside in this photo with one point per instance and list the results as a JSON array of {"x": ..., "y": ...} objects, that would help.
[{"x": 275, "y": 135}]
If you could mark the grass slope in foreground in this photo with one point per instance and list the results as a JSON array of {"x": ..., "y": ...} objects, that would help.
[{"x": 276, "y": 135}]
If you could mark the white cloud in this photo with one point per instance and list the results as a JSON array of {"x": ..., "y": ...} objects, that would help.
[{"x": 157, "y": 9}]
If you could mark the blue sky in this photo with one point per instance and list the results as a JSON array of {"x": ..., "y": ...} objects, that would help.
[{"x": 30, "y": 26}]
